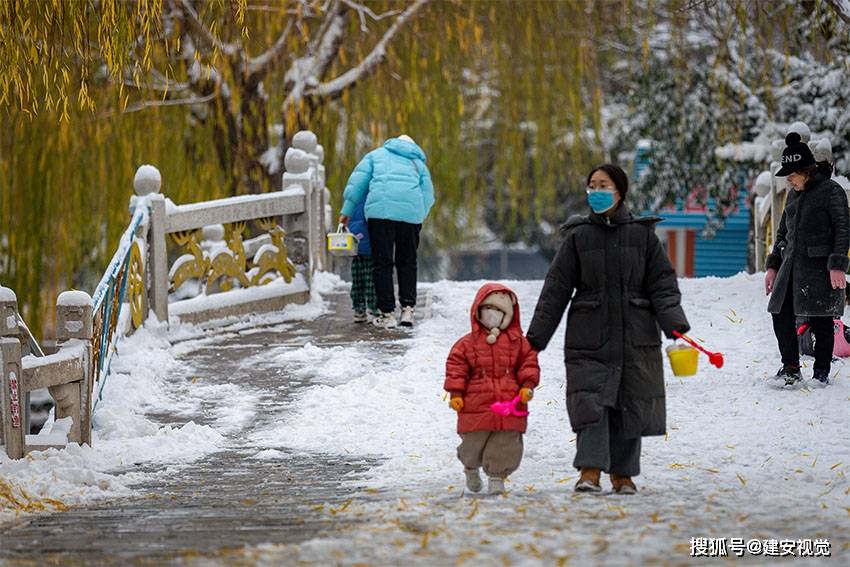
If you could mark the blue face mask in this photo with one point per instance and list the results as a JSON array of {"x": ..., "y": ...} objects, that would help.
[{"x": 601, "y": 200}]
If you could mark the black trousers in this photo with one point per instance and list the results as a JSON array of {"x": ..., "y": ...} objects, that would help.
[
  {"x": 785, "y": 329},
  {"x": 394, "y": 243}
]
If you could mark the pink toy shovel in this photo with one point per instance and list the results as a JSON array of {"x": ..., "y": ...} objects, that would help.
[
  {"x": 714, "y": 358},
  {"x": 508, "y": 408}
]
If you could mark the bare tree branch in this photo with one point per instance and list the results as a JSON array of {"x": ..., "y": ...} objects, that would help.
[
  {"x": 307, "y": 70},
  {"x": 261, "y": 64},
  {"x": 202, "y": 32},
  {"x": 328, "y": 47},
  {"x": 842, "y": 8},
  {"x": 156, "y": 82},
  {"x": 158, "y": 103},
  {"x": 338, "y": 85},
  {"x": 367, "y": 11}
]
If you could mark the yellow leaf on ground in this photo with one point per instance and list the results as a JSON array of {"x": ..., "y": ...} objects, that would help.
[{"x": 473, "y": 511}]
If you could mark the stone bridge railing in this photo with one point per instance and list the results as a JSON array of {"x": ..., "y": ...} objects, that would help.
[{"x": 208, "y": 278}]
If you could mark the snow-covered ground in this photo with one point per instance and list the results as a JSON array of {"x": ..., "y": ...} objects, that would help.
[
  {"x": 148, "y": 376},
  {"x": 743, "y": 457}
]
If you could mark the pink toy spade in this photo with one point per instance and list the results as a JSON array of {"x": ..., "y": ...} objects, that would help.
[
  {"x": 508, "y": 408},
  {"x": 714, "y": 358}
]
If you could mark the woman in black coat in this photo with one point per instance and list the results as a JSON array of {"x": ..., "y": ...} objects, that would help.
[
  {"x": 805, "y": 271},
  {"x": 613, "y": 271}
]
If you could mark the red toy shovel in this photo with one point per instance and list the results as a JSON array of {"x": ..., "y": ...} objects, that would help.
[{"x": 715, "y": 358}]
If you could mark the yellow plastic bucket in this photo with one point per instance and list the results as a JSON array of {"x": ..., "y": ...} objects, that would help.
[
  {"x": 683, "y": 359},
  {"x": 342, "y": 242}
]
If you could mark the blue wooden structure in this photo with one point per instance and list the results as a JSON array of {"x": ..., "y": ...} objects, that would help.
[{"x": 724, "y": 254}]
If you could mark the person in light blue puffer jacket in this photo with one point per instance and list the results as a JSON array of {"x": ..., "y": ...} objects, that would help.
[{"x": 394, "y": 183}]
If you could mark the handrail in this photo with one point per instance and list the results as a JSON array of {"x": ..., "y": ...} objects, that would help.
[
  {"x": 141, "y": 215},
  {"x": 88, "y": 328},
  {"x": 108, "y": 299},
  {"x": 35, "y": 348}
]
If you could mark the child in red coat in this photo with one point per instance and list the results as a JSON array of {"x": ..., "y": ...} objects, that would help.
[{"x": 491, "y": 364}]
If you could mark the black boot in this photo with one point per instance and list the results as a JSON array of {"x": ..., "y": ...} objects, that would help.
[
  {"x": 821, "y": 376},
  {"x": 791, "y": 374}
]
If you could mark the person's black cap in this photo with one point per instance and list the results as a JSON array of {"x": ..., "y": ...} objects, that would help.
[{"x": 796, "y": 156}]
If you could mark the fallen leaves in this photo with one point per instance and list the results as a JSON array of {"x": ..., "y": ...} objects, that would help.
[
  {"x": 342, "y": 508},
  {"x": 16, "y": 498}
]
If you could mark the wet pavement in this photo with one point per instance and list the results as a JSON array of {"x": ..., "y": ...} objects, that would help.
[{"x": 229, "y": 499}]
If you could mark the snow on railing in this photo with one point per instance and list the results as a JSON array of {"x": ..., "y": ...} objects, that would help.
[
  {"x": 66, "y": 374},
  {"x": 90, "y": 327},
  {"x": 214, "y": 265},
  {"x": 110, "y": 294}
]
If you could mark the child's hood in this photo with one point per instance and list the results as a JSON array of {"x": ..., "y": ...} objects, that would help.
[{"x": 482, "y": 294}]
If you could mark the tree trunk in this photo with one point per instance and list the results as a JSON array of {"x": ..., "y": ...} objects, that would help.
[{"x": 254, "y": 140}]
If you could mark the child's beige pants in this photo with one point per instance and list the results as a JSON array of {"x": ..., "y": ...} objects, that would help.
[{"x": 499, "y": 452}]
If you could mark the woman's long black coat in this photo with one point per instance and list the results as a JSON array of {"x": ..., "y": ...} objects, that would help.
[{"x": 624, "y": 289}]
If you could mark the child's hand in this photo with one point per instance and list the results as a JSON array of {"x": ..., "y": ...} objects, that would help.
[
  {"x": 525, "y": 395},
  {"x": 456, "y": 403}
]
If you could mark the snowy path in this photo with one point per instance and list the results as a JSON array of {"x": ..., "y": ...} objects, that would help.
[
  {"x": 229, "y": 384},
  {"x": 364, "y": 444},
  {"x": 742, "y": 459}
]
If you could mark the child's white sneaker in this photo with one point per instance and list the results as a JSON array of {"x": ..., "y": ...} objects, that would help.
[
  {"x": 496, "y": 485},
  {"x": 385, "y": 320},
  {"x": 473, "y": 480},
  {"x": 407, "y": 315}
]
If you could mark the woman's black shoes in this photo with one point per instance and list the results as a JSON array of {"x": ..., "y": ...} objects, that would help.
[
  {"x": 790, "y": 374},
  {"x": 821, "y": 376}
]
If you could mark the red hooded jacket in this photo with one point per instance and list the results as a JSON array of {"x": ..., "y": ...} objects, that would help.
[{"x": 483, "y": 374}]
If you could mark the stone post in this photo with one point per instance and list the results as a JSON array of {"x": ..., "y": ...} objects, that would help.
[
  {"x": 147, "y": 184},
  {"x": 307, "y": 142},
  {"x": 298, "y": 227},
  {"x": 12, "y": 431},
  {"x": 762, "y": 189},
  {"x": 327, "y": 210},
  {"x": 776, "y": 186},
  {"x": 74, "y": 321},
  {"x": 158, "y": 259}
]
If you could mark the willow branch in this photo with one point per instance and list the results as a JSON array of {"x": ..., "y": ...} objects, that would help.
[{"x": 202, "y": 32}]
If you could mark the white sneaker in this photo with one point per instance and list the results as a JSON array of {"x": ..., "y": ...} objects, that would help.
[
  {"x": 496, "y": 485},
  {"x": 385, "y": 321},
  {"x": 407, "y": 314},
  {"x": 473, "y": 481}
]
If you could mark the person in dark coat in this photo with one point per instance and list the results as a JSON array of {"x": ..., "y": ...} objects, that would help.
[
  {"x": 806, "y": 269},
  {"x": 613, "y": 271}
]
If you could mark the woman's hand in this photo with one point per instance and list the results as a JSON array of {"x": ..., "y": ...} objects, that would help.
[
  {"x": 769, "y": 281},
  {"x": 837, "y": 279},
  {"x": 343, "y": 220},
  {"x": 456, "y": 403}
]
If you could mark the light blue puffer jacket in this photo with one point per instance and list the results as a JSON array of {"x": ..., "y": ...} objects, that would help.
[{"x": 393, "y": 181}]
